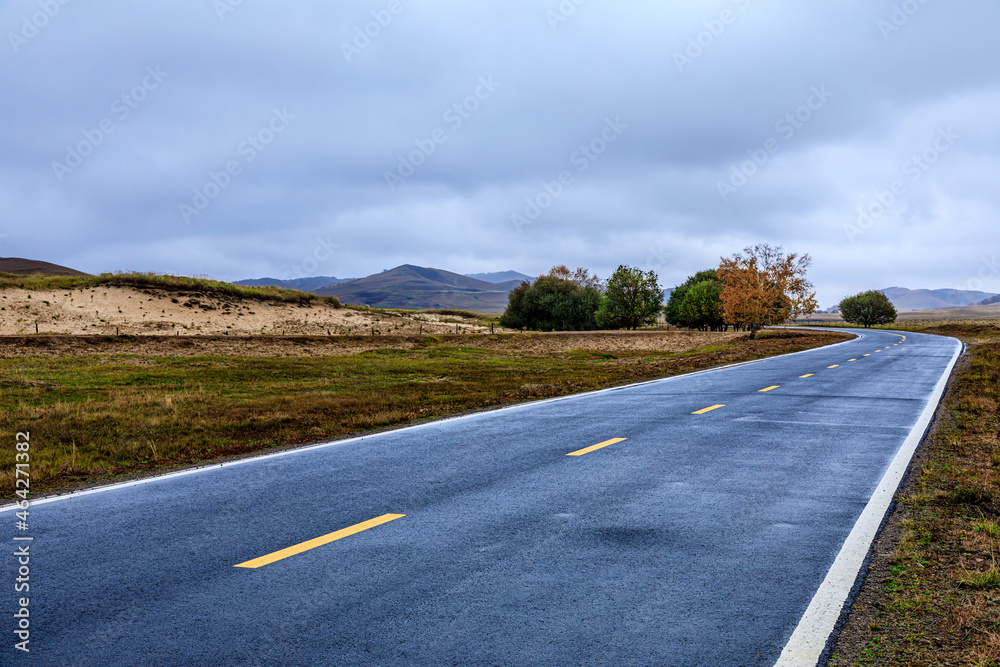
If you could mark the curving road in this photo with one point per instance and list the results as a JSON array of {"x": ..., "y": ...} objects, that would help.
[{"x": 695, "y": 539}]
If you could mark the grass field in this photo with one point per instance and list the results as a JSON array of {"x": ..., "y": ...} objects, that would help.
[
  {"x": 932, "y": 597},
  {"x": 96, "y": 417}
]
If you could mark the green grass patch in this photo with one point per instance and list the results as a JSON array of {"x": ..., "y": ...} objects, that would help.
[
  {"x": 467, "y": 314},
  {"x": 590, "y": 354},
  {"x": 982, "y": 581},
  {"x": 988, "y": 528}
]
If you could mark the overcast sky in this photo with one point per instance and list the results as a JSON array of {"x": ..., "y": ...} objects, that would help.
[{"x": 240, "y": 139}]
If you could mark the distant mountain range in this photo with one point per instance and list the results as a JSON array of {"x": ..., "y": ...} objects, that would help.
[
  {"x": 25, "y": 267},
  {"x": 418, "y": 288},
  {"x": 500, "y": 276},
  {"x": 301, "y": 284},
  {"x": 314, "y": 283},
  {"x": 925, "y": 299}
]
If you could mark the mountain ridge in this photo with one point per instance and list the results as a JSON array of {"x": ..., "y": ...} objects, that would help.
[
  {"x": 301, "y": 284},
  {"x": 26, "y": 267},
  {"x": 411, "y": 287},
  {"x": 926, "y": 299},
  {"x": 499, "y": 276}
]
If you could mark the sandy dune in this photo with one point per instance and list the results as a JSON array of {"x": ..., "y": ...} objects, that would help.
[{"x": 148, "y": 311}]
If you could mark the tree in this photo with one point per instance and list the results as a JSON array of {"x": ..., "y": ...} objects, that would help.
[
  {"x": 702, "y": 307},
  {"x": 580, "y": 277},
  {"x": 672, "y": 309},
  {"x": 869, "y": 309},
  {"x": 631, "y": 299},
  {"x": 554, "y": 303},
  {"x": 765, "y": 287}
]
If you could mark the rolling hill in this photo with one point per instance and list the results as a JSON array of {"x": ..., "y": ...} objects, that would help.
[
  {"x": 418, "y": 288},
  {"x": 925, "y": 299},
  {"x": 26, "y": 267}
]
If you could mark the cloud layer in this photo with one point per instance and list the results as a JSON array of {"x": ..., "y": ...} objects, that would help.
[{"x": 240, "y": 139}]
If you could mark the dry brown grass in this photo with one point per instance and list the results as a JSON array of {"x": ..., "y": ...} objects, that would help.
[{"x": 101, "y": 414}]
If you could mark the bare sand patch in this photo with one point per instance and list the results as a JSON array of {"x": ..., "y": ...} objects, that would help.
[{"x": 111, "y": 310}]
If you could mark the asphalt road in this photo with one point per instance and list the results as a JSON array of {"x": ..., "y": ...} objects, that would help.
[{"x": 699, "y": 539}]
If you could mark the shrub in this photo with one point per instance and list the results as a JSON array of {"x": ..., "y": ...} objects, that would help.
[{"x": 552, "y": 304}]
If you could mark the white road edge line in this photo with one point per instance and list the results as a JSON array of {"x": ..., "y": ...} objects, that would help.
[
  {"x": 860, "y": 335},
  {"x": 808, "y": 641}
]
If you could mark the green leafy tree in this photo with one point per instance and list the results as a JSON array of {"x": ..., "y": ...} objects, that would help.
[
  {"x": 559, "y": 301},
  {"x": 871, "y": 308},
  {"x": 702, "y": 307},
  {"x": 632, "y": 299},
  {"x": 672, "y": 309}
]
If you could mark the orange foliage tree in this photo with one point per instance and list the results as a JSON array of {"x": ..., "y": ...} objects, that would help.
[{"x": 764, "y": 287}]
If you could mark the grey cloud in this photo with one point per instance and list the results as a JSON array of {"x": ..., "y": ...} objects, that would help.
[{"x": 650, "y": 199}]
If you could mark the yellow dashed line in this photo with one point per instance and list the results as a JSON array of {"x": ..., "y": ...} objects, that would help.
[
  {"x": 594, "y": 448},
  {"x": 714, "y": 407},
  {"x": 319, "y": 541}
]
